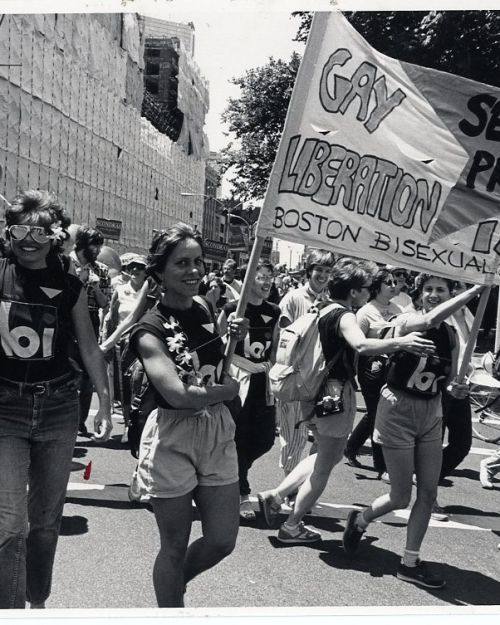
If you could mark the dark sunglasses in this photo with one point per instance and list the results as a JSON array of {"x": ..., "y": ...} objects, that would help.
[
  {"x": 400, "y": 274},
  {"x": 390, "y": 283},
  {"x": 20, "y": 231},
  {"x": 134, "y": 266}
]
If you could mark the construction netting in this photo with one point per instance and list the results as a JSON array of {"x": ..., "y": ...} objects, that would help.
[{"x": 70, "y": 100}]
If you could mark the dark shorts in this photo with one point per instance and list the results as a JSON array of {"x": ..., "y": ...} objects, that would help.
[{"x": 403, "y": 420}]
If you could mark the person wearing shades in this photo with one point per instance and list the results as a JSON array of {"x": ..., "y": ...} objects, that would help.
[
  {"x": 41, "y": 307},
  {"x": 372, "y": 318}
]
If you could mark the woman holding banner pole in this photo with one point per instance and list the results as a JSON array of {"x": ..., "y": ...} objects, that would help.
[{"x": 408, "y": 424}]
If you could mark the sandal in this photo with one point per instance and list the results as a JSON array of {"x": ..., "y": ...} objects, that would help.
[
  {"x": 246, "y": 510},
  {"x": 270, "y": 509}
]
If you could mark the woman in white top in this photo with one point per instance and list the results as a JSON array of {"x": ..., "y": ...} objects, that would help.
[{"x": 371, "y": 318}]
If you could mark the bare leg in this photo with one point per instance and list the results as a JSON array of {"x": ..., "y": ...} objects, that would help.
[
  {"x": 174, "y": 518},
  {"x": 428, "y": 459},
  {"x": 400, "y": 465},
  {"x": 330, "y": 452},
  {"x": 219, "y": 508}
]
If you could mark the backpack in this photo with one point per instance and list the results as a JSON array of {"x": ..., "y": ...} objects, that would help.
[
  {"x": 143, "y": 402},
  {"x": 300, "y": 366}
]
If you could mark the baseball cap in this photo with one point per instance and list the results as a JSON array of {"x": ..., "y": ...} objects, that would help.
[{"x": 130, "y": 258}]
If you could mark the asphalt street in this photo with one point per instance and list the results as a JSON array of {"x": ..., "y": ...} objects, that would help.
[{"x": 108, "y": 545}]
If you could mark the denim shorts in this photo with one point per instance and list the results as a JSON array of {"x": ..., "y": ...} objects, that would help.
[
  {"x": 403, "y": 420},
  {"x": 181, "y": 450}
]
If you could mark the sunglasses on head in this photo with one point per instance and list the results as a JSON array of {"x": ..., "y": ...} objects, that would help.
[{"x": 19, "y": 232}]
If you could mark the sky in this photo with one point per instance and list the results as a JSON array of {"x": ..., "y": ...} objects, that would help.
[{"x": 227, "y": 43}]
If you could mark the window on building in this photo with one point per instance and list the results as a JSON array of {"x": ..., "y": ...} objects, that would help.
[
  {"x": 151, "y": 52},
  {"x": 152, "y": 69}
]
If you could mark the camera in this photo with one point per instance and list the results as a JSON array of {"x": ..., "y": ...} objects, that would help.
[{"x": 328, "y": 406}]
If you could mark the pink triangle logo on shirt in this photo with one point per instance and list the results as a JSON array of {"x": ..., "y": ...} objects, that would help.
[
  {"x": 209, "y": 327},
  {"x": 266, "y": 318},
  {"x": 50, "y": 293}
]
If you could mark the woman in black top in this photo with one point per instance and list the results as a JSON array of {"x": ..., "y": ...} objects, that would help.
[
  {"x": 187, "y": 447},
  {"x": 41, "y": 306},
  {"x": 408, "y": 424}
]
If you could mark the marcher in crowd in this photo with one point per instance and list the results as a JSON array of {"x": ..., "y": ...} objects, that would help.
[
  {"x": 41, "y": 306},
  {"x": 233, "y": 286},
  {"x": 372, "y": 318},
  {"x": 401, "y": 297},
  {"x": 457, "y": 417},
  {"x": 187, "y": 449},
  {"x": 341, "y": 337},
  {"x": 255, "y": 419},
  {"x": 94, "y": 276},
  {"x": 297, "y": 302},
  {"x": 408, "y": 424},
  {"x": 123, "y": 302}
]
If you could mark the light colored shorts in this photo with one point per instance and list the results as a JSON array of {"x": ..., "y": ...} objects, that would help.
[
  {"x": 180, "y": 450},
  {"x": 403, "y": 420},
  {"x": 339, "y": 424}
]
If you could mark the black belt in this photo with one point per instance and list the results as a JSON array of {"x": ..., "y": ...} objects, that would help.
[{"x": 46, "y": 387}]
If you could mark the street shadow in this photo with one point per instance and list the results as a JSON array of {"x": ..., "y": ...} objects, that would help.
[
  {"x": 466, "y": 510},
  {"x": 113, "y": 496},
  {"x": 470, "y": 474},
  {"x": 112, "y": 504},
  {"x": 74, "y": 525},
  {"x": 77, "y": 466},
  {"x": 463, "y": 586},
  {"x": 79, "y": 452},
  {"x": 115, "y": 442}
]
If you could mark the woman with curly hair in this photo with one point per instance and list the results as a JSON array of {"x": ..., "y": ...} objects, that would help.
[{"x": 42, "y": 306}]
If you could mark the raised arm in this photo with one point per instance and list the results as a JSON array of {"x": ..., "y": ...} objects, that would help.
[
  {"x": 354, "y": 336},
  {"x": 441, "y": 312}
]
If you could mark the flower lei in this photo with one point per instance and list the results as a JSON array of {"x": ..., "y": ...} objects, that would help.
[{"x": 177, "y": 346}]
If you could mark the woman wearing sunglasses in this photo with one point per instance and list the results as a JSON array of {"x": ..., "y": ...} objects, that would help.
[
  {"x": 371, "y": 318},
  {"x": 41, "y": 307}
]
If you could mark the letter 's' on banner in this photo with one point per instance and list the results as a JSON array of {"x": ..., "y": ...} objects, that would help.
[{"x": 387, "y": 160}]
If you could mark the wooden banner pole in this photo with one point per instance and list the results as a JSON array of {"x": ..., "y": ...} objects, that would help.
[
  {"x": 469, "y": 348},
  {"x": 245, "y": 289}
]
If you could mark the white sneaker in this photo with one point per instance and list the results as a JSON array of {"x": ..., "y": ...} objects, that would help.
[{"x": 485, "y": 474}]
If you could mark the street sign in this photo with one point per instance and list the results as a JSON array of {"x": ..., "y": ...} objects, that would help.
[{"x": 110, "y": 228}]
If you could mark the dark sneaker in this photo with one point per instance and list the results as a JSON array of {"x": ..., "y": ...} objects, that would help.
[
  {"x": 438, "y": 513},
  {"x": 303, "y": 534},
  {"x": 419, "y": 575},
  {"x": 352, "y": 461},
  {"x": 269, "y": 508},
  {"x": 352, "y": 535}
]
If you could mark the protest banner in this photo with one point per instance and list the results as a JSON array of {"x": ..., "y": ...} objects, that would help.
[{"x": 380, "y": 157}]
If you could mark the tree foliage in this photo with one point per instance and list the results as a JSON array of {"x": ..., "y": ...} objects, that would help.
[
  {"x": 256, "y": 118},
  {"x": 460, "y": 42}
]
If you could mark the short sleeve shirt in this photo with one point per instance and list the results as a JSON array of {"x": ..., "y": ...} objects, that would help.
[
  {"x": 36, "y": 326},
  {"x": 192, "y": 342},
  {"x": 423, "y": 376},
  {"x": 373, "y": 316},
  {"x": 300, "y": 301},
  {"x": 262, "y": 320},
  {"x": 332, "y": 342}
]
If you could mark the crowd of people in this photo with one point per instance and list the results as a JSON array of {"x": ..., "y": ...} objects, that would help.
[{"x": 73, "y": 325}]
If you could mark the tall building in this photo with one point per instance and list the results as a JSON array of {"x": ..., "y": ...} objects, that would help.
[{"x": 176, "y": 96}]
